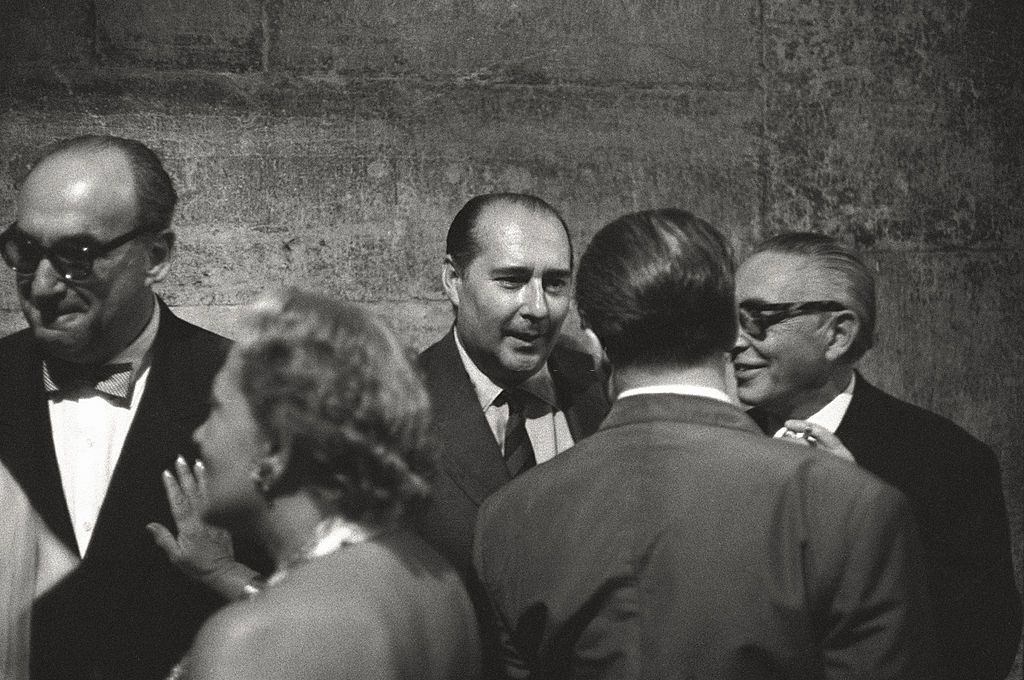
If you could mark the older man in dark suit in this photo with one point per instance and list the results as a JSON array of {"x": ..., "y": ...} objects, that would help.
[
  {"x": 99, "y": 395},
  {"x": 807, "y": 313},
  {"x": 678, "y": 541},
  {"x": 505, "y": 395}
]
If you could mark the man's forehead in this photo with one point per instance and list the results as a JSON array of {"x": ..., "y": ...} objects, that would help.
[
  {"x": 783, "y": 277},
  {"x": 78, "y": 190},
  {"x": 508, "y": 226}
]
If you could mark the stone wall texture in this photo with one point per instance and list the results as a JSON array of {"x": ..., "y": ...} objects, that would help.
[{"x": 327, "y": 145}]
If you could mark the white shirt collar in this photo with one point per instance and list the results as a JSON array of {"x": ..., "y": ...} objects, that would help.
[
  {"x": 680, "y": 389},
  {"x": 831, "y": 414},
  {"x": 539, "y": 384}
]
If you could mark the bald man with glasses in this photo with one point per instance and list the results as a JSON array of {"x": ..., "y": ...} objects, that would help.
[
  {"x": 99, "y": 395},
  {"x": 806, "y": 307}
]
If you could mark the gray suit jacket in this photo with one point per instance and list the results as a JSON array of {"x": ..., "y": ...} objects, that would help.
[{"x": 679, "y": 542}]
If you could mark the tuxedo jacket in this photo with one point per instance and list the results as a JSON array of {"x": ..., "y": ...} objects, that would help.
[
  {"x": 952, "y": 481},
  {"x": 124, "y": 611},
  {"x": 470, "y": 466},
  {"x": 679, "y": 542}
]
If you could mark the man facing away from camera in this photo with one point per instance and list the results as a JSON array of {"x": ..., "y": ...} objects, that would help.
[
  {"x": 678, "y": 541},
  {"x": 807, "y": 316}
]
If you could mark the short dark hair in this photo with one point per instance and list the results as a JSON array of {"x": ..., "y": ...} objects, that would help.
[
  {"x": 851, "y": 274},
  {"x": 155, "y": 197},
  {"x": 330, "y": 383},
  {"x": 460, "y": 244},
  {"x": 657, "y": 289}
]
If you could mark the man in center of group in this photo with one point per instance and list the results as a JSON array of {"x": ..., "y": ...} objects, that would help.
[{"x": 506, "y": 395}]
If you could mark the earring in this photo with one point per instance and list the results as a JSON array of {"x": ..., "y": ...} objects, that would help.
[{"x": 261, "y": 478}]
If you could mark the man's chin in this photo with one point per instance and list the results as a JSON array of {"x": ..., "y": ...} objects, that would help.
[{"x": 61, "y": 342}]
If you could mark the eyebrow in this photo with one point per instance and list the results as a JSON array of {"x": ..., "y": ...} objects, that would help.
[
  {"x": 79, "y": 237},
  {"x": 755, "y": 301},
  {"x": 528, "y": 271}
]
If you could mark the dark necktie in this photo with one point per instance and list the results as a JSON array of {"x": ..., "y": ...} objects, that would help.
[
  {"x": 111, "y": 379},
  {"x": 518, "y": 449}
]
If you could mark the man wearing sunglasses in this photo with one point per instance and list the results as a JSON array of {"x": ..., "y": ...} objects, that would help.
[
  {"x": 99, "y": 395},
  {"x": 806, "y": 307}
]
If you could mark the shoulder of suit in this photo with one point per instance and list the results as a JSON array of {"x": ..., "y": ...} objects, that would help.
[
  {"x": 199, "y": 349},
  {"x": 16, "y": 350},
  {"x": 17, "y": 340},
  {"x": 904, "y": 420}
]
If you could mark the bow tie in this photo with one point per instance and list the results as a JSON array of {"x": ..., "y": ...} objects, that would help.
[{"x": 112, "y": 379}]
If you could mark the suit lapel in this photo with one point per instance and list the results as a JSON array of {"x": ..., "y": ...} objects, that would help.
[
  {"x": 469, "y": 452},
  {"x": 166, "y": 413},
  {"x": 860, "y": 423},
  {"x": 579, "y": 389},
  {"x": 26, "y": 439}
]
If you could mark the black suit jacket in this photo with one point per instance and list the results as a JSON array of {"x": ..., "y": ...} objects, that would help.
[
  {"x": 470, "y": 466},
  {"x": 679, "y": 542},
  {"x": 953, "y": 483},
  {"x": 124, "y": 612},
  {"x": 469, "y": 461}
]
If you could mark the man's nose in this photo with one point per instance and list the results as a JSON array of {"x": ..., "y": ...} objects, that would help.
[
  {"x": 47, "y": 281},
  {"x": 535, "y": 303},
  {"x": 741, "y": 343}
]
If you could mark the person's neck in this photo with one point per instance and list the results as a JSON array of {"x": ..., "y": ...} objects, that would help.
[
  {"x": 289, "y": 524},
  {"x": 809, "y": 402},
  {"x": 711, "y": 372}
]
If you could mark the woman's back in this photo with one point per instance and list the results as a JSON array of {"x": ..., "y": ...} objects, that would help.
[{"x": 389, "y": 608}]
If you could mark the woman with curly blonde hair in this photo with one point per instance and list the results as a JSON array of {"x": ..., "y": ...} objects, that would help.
[{"x": 315, "y": 447}]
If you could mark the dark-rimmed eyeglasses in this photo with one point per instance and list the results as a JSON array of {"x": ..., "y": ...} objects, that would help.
[
  {"x": 73, "y": 259},
  {"x": 757, "y": 317}
]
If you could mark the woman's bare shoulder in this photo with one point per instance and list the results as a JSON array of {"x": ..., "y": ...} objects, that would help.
[{"x": 278, "y": 633}]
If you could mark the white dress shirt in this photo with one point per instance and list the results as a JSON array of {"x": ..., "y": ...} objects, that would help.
[
  {"x": 830, "y": 415},
  {"x": 89, "y": 430},
  {"x": 681, "y": 389},
  {"x": 547, "y": 427}
]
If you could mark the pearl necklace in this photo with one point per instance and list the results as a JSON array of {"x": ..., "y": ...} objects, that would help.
[{"x": 329, "y": 536}]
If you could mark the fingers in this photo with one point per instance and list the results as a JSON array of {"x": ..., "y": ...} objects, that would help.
[
  {"x": 201, "y": 480},
  {"x": 175, "y": 497},
  {"x": 186, "y": 491},
  {"x": 185, "y": 477},
  {"x": 820, "y": 437},
  {"x": 165, "y": 539}
]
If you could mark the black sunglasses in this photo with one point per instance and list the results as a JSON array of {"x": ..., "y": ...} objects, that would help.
[
  {"x": 757, "y": 317},
  {"x": 72, "y": 260}
]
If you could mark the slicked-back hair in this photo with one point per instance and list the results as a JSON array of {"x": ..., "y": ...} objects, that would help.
[
  {"x": 155, "y": 197},
  {"x": 848, "y": 270},
  {"x": 332, "y": 385},
  {"x": 461, "y": 244},
  {"x": 657, "y": 288}
]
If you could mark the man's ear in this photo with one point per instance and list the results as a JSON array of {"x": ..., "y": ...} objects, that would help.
[
  {"x": 159, "y": 249},
  {"x": 451, "y": 280},
  {"x": 843, "y": 330}
]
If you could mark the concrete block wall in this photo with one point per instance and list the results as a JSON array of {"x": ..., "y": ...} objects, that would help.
[{"x": 327, "y": 145}]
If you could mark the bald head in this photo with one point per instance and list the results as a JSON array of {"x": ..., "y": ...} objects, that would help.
[
  {"x": 94, "y": 185},
  {"x": 85, "y": 196}
]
